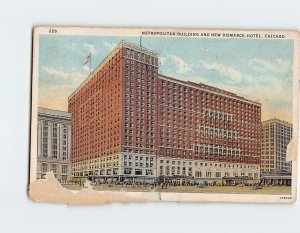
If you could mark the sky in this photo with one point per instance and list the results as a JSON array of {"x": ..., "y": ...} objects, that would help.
[{"x": 260, "y": 70}]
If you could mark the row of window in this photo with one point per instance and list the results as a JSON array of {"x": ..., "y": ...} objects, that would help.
[
  {"x": 45, "y": 167},
  {"x": 215, "y": 150},
  {"x": 139, "y": 151},
  {"x": 174, "y": 86},
  {"x": 205, "y": 164},
  {"x": 198, "y": 174},
  {"x": 130, "y": 53},
  {"x": 47, "y": 123}
]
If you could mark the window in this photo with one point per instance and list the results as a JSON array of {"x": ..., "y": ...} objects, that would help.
[
  {"x": 54, "y": 168},
  {"x": 64, "y": 168},
  {"x": 64, "y": 179},
  {"x": 127, "y": 171},
  {"x": 44, "y": 167},
  {"x": 138, "y": 171},
  {"x": 208, "y": 173},
  {"x": 115, "y": 171},
  {"x": 198, "y": 174},
  {"x": 149, "y": 172}
]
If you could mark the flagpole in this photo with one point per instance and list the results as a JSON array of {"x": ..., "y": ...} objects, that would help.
[{"x": 140, "y": 40}]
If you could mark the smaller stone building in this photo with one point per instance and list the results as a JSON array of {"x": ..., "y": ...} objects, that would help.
[{"x": 54, "y": 144}]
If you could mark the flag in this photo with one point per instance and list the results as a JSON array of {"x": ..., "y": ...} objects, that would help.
[{"x": 87, "y": 59}]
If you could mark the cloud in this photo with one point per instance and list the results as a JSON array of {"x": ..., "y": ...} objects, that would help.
[
  {"x": 224, "y": 70},
  {"x": 91, "y": 48},
  {"x": 55, "y": 96},
  {"x": 56, "y": 85},
  {"x": 162, "y": 60},
  {"x": 54, "y": 72},
  {"x": 272, "y": 91},
  {"x": 275, "y": 94},
  {"x": 110, "y": 45},
  {"x": 181, "y": 65},
  {"x": 59, "y": 76},
  {"x": 279, "y": 65}
]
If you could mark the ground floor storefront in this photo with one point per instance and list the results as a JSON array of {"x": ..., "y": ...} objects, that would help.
[
  {"x": 115, "y": 179},
  {"x": 168, "y": 180},
  {"x": 277, "y": 181},
  {"x": 276, "y": 178}
]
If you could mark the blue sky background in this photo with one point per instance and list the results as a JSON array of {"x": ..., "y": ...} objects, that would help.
[{"x": 260, "y": 70}]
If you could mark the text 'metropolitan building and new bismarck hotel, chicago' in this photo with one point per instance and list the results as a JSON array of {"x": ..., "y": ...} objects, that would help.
[{"x": 130, "y": 123}]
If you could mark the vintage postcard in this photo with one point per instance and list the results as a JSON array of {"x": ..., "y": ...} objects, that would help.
[{"x": 137, "y": 115}]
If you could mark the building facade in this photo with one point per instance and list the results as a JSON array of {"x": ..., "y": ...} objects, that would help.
[
  {"x": 206, "y": 133},
  {"x": 276, "y": 135},
  {"x": 105, "y": 144},
  {"x": 54, "y": 144},
  {"x": 131, "y": 123}
]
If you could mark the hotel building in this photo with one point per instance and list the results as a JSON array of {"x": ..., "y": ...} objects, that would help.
[
  {"x": 130, "y": 123},
  {"x": 276, "y": 135},
  {"x": 54, "y": 144}
]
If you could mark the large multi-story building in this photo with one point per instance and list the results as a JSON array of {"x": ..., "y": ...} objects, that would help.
[
  {"x": 108, "y": 139},
  {"x": 54, "y": 144},
  {"x": 206, "y": 132},
  {"x": 131, "y": 123},
  {"x": 276, "y": 135}
]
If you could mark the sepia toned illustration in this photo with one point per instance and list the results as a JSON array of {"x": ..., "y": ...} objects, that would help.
[{"x": 164, "y": 115}]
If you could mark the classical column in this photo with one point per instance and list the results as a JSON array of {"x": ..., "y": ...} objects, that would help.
[
  {"x": 40, "y": 140},
  {"x": 49, "y": 140},
  {"x": 69, "y": 144},
  {"x": 59, "y": 141}
]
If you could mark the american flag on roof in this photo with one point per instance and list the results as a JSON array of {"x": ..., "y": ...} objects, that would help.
[{"x": 87, "y": 59}]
